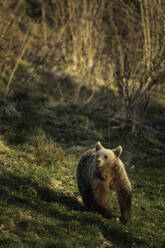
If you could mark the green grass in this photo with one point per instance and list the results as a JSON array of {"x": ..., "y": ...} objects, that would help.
[
  {"x": 39, "y": 206},
  {"x": 39, "y": 200}
]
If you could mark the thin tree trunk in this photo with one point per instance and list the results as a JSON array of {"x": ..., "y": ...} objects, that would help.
[{"x": 23, "y": 49}]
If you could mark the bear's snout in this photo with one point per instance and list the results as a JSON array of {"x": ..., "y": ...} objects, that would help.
[{"x": 98, "y": 162}]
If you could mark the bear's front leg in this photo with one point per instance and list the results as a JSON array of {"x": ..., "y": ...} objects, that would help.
[
  {"x": 100, "y": 197},
  {"x": 87, "y": 198},
  {"x": 125, "y": 197}
]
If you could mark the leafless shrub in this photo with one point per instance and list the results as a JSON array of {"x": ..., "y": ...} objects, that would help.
[
  {"x": 137, "y": 48},
  {"x": 83, "y": 40}
]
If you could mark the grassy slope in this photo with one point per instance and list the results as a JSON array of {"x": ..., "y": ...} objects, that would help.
[{"x": 39, "y": 205}]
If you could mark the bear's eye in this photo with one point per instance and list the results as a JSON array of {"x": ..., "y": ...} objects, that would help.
[{"x": 105, "y": 156}]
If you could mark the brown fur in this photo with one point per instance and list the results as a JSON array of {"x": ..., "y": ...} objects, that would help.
[{"x": 98, "y": 171}]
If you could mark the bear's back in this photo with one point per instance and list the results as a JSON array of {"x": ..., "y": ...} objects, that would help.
[{"x": 84, "y": 167}]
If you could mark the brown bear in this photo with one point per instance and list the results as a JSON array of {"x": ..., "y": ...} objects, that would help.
[{"x": 99, "y": 170}]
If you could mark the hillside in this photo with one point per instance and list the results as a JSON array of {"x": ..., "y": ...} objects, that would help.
[{"x": 39, "y": 198}]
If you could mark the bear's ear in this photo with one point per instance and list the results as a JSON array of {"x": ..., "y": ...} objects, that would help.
[
  {"x": 99, "y": 146},
  {"x": 117, "y": 151}
]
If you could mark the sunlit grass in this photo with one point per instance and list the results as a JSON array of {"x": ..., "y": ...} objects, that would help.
[{"x": 39, "y": 207}]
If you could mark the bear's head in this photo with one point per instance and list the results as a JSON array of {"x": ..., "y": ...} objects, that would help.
[{"x": 106, "y": 157}]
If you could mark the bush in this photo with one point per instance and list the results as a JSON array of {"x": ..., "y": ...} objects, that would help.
[{"x": 46, "y": 152}]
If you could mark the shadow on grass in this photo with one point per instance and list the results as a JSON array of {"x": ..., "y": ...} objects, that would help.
[{"x": 56, "y": 206}]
